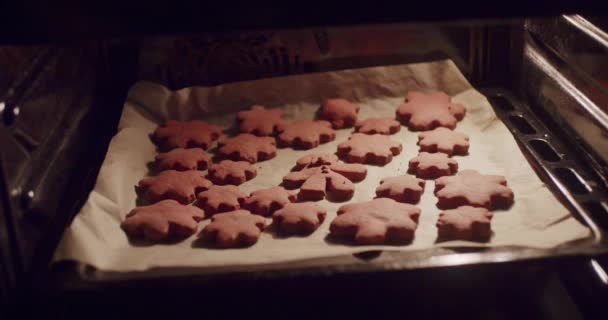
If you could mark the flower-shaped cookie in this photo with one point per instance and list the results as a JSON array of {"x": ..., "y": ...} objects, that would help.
[
  {"x": 164, "y": 220},
  {"x": 340, "y": 112},
  {"x": 378, "y": 221},
  {"x": 299, "y": 218},
  {"x": 185, "y": 134},
  {"x": 234, "y": 229},
  {"x": 433, "y": 165},
  {"x": 231, "y": 172},
  {"x": 260, "y": 121},
  {"x": 183, "y": 159},
  {"x": 426, "y": 111},
  {"x": 265, "y": 202},
  {"x": 444, "y": 140},
  {"x": 247, "y": 147},
  {"x": 401, "y": 188},
  {"x": 220, "y": 199},
  {"x": 362, "y": 148},
  {"x": 465, "y": 223},
  {"x": 378, "y": 126},
  {"x": 469, "y": 187},
  {"x": 181, "y": 186},
  {"x": 305, "y": 134}
]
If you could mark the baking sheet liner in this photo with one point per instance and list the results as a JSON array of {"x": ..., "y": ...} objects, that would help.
[{"x": 537, "y": 219}]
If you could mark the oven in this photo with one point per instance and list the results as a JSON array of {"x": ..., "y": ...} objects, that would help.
[{"x": 67, "y": 72}]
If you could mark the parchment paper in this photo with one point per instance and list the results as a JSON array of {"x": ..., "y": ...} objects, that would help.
[{"x": 537, "y": 219}]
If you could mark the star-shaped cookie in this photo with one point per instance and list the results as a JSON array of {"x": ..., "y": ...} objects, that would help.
[
  {"x": 231, "y": 172},
  {"x": 265, "y": 202},
  {"x": 305, "y": 134},
  {"x": 185, "y": 134},
  {"x": 426, "y": 111},
  {"x": 164, "y": 220},
  {"x": 260, "y": 121},
  {"x": 432, "y": 165},
  {"x": 401, "y": 188},
  {"x": 469, "y": 187},
  {"x": 299, "y": 218},
  {"x": 181, "y": 186},
  {"x": 444, "y": 140},
  {"x": 183, "y": 159},
  {"x": 375, "y": 149},
  {"x": 465, "y": 223},
  {"x": 378, "y": 221},
  {"x": 247, "y": 147},
  {"x": 378, "y": 126},
  {"x": 234, "y": 229},
  {"x": 220, "y": 199}
]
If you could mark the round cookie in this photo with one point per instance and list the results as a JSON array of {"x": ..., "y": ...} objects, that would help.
[
  {"x": 183, "y": 159},
  {"x": 231, "y": 172},
  {"x": 378, "y": 126},
  {"x": 185, "y": 134},
  {"x": 220, "y": 199},
  {"x": 444, "y": 140},
  {"x": 404, "y": 188},
  {"x": 305, "y": 134},
  {"x": 247, "y": 147},
  {"x": 265, "y": 202},
  {"x": 469, "y": 187},
  {"x": 374, "y": 149},
  {"x": 465, "y": 223},
  {"x": 432, "y": 165},
  {"x": 340, "y": 112},
  {"x": 234, "y": 229},
  {"x": 299, "y": 218},
  {"x": 164, "y": 220},
  {"x": 260, "y": 121},
  {"x": 426, "y": 111},
  {"x": 181, "y": 186}
]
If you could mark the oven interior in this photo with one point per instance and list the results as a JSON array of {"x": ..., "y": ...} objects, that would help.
[{"x": 545, "y": 77}]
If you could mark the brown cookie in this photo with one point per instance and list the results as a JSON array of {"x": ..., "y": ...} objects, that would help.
[
  {"x": 315, "y": 160},
  {"x": 248, "y": 147},
  {"x": 164, "y": 220},
  {"x": 432, "y": 165},
  {"x": 378, "y": 126},
  {"x": 185, "y": 134},
  {"x": 183, "y": 159},
  {"x": 426, "y": 111},
  {"x": 234, "y": 229},
  {"x": 299, "y": 218},
  {"x": 305, "y": 134},
  {"x": 340, "y": 112},
  {"x": 231, "y": 172},
  {"x": 375, "y": 149},
  {"x": 444, "y": 140},
  {"x": 401, "y": 188},
  {"x": 181, "y": 186},
  {"x": 378, "y": 221},
  {"x": 465, "y": 223},
  {"x": 265, "y": 202},
  {"x": 220, "y": 199},
  {"x": 317, "y": 182},
  {"x": 260, "y": 121},
  {"x": 469, "y": 187}
]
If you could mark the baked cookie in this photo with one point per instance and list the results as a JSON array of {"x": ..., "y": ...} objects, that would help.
[
  {"x": 181, "y": 186},
  {"x": 432, "y": 165},
  {"x": 317, "y": 182},
  {"x": 352, "y": 171},
  {"x": 465, "y": 223},
  {"x": 378, "y": 221},
  {"x": 265, "y": 202},
  {"x": 444, "y": 140},
  {"x": 315, "y": 160},
  {"x": 164, "y": 220},
  {"x": 220, "y": 199},
  {"x": 401, "y": 188},
  {"x": 469, "y": 187},
  {"x": 247, "y": 147},
  {"x": 231, "y": 172},
  {"x": 363, "y": 148},
  {"x": 260, "y": 121},
  {"x": 378, "y": 126},
  {"x": 185, "y": 134},
  {"x": 234, "y": 229},
  {"x": 305, "y": 134},
  {"x": 299, "y": 218},
  {"x": 340, "y": 112},
  {"x": 426, "y": 111},
  {"x": 183, "y": 159}
]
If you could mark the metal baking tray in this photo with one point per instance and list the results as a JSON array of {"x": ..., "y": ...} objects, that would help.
[{"x": 553, "y": 159}]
